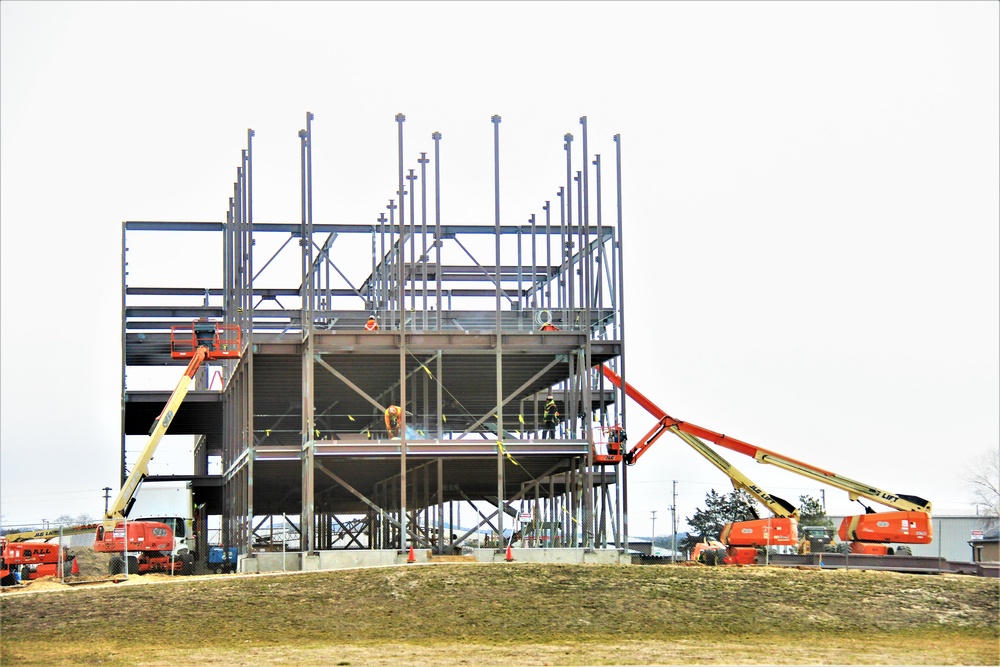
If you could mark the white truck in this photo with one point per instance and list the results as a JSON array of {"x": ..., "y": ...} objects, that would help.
[{"x": 171, "y": 503}]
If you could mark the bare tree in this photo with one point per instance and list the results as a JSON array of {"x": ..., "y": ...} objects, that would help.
[{"x": 984, "y": 476}]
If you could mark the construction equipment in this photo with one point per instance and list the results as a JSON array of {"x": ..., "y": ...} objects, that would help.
[
  {"x": 200, "y": 341},
  {"x": 222, "y": 559},
  {"x": 818, "y": 539},
  {"x": 149, "y": 547},
  {"x": 49, "y": 533},
  {"x": 744, "y": 541},
  {"x": 28, "y": 560},
  {"x": 869, "y": 533}
]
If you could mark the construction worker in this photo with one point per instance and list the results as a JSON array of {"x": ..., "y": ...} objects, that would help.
[
  {"x": 548, "y": 326},
  {"x": 371, "y": 324},
  {"x": 616, "y": 440},
  {"x": 392, "y": 415},
  {"x": 550, "y": 415}
]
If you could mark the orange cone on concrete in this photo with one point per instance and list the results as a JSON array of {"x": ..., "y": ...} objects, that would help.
[
  {"x": 75, "y": 569},
  {"x": 510, "y": 556},
  {"x": 412, "y": 558}
]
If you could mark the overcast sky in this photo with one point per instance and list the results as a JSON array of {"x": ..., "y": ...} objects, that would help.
[{"x": 810, "y": 205}]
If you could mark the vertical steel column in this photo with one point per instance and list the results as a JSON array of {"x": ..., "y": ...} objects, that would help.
[
  {"x": 588, "y": 511},
  {"x": 122, "y": 473},
  {"x": 440, "y": 505},
  {"x": 423, "y": 230},
  {"x": 370, "y": 298},
  {"x": 562, "y": 273},
  {"x": 535, "y": 282},
  {"x": 382, "y": 269},
  {"x": 581, "y": 253},
  {"x": 248, "y": 345},
  {"x": 437, "y": 231},
  {"x": 307, "y": 527},
  {"x": 390, "y": 269},
  {"x": 413, "y": 252},
  {"x": 499, "y": 335},
  {"x": 400, "y": 119},
  {"x": 568, "y": 199},
  {"x": 601, "y": 260},
  {"x": 548, "y": 254},
  {"x": 621, "y": 313}
]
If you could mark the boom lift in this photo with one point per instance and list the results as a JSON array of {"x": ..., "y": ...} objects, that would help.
[
  {"x": 32, "y": 560},
  {"x": 153, "y": 544},
  {"x": 869, "y": 533},
  {"x": 742, "y": 541}
]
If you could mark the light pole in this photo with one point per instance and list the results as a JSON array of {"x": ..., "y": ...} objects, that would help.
[{"x": 652, "y": 540}]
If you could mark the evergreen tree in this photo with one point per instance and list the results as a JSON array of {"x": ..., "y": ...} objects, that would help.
[
  {"x": 720, "y": 509},
  {"x": 811, "y": 513}
]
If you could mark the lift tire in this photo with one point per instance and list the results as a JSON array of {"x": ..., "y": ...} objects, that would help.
[
  {"x": 904, "y": 551},
  {"x": 8, "y": 579},
  {"x": 133, "y": 565},
  {"x": 844, "y": 548},
  {"x": 187, "y": 564},
  {"x": 115, "y": 565}
]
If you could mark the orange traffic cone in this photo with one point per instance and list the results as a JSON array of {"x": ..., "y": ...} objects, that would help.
[
  {"x": 75, "y": 569},
  {"x": 412, "y": 558},
  {"x": 510, "y": 556}
]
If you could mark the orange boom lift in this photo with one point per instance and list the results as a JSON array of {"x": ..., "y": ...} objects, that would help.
[
  {"x": 151, "y": 545},
  {"x": 869, "y": 533}
]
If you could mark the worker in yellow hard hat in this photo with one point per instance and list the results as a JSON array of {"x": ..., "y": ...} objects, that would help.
[{"x": 550, "y": 415}]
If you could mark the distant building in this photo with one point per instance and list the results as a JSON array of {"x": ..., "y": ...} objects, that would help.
[{"x": 986, "y": 547}]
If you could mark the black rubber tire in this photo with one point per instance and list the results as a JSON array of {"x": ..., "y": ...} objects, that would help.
[
  {"x": 115, "y": 565},
  {"x": 8, "y": 580},
  {"x": 187, "y": 564},
  {"x": 133, "y": 565},
  {"x": 904, "y": 551},
  {"x": 844, "y": 548}
]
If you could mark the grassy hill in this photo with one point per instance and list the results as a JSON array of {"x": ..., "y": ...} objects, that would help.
[{"x": 511, "y": 614}]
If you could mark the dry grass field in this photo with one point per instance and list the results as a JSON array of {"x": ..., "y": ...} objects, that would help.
[{"x": 509, "y": 614}]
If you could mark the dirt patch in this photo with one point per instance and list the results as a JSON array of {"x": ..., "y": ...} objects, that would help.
[{"x": 91, "y": 563}]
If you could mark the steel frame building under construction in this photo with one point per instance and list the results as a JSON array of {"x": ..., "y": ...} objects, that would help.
[{"x": 296, "y": 423}]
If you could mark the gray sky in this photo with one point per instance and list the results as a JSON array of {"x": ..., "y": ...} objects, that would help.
[{"x": 810, "y": 204}]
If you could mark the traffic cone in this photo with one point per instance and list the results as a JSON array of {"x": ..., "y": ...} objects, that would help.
[
  {"x": 412, "y": 558},
  {"x": 75, "y": 569},
  {"x": 510, "y": 556}
]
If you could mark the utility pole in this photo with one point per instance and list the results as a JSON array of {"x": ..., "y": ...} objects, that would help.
[
  {"x": 107, "y": 497},
  {"x": 822, "y": 496},
  {"x": 673, "y": 525},
  {"x": 652, "y": 540}
]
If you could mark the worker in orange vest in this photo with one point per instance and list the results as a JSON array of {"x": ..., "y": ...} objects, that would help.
[
  {"x": 392, "y": 415},
  {"x": 371, "y": 325}
]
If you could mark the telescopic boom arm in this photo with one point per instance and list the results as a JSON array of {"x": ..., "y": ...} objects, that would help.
[{"x": 853, "y": 488}]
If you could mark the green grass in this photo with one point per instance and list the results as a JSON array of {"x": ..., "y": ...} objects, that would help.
[{"x": 521, "y": 611}]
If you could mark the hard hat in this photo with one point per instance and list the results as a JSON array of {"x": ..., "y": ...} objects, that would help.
[
  {"x": 549, "y": 396},
  {"x": 371, "y": 317}
]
